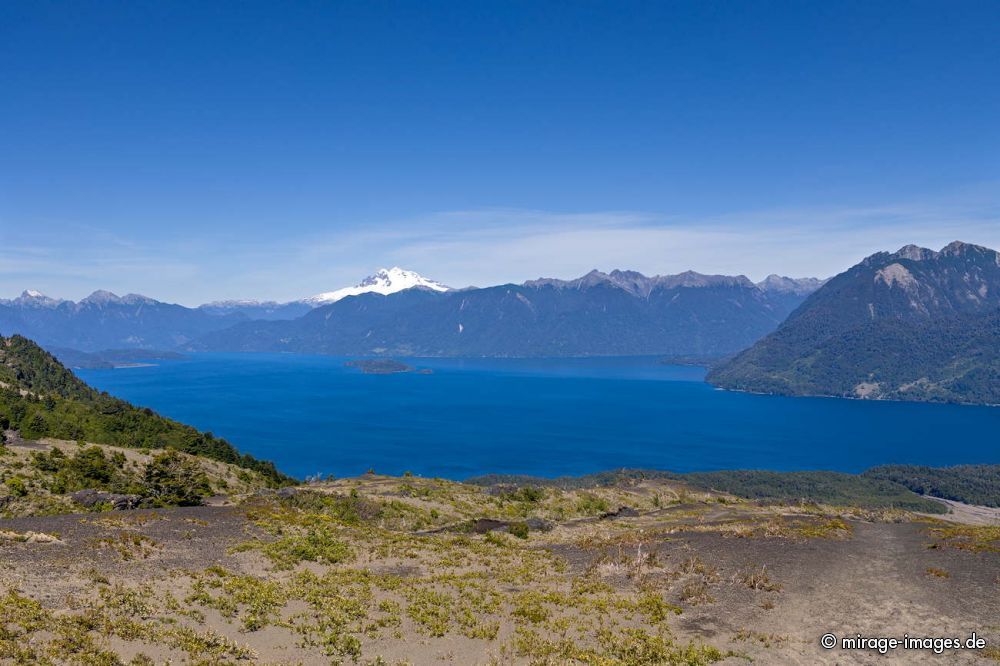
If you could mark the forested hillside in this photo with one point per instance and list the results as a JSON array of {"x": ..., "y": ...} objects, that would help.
[
  {"x": 973, "y": 484},
  {"x": 40, "y": 398},
  {"x": 912, "y": 325}
]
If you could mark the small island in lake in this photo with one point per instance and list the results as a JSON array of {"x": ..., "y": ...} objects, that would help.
[{"x": 383, "y": 366}]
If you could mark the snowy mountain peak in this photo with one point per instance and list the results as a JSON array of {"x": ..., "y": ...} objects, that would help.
[
  {"x": 384, "y": 281},
  {"x": 35, "y": 299}
]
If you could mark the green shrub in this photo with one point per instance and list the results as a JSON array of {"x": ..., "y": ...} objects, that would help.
[
  {"x": 17, "y": 486},
  {"x": 172, "y": 479},
  {"x": 519, "y": 529}
]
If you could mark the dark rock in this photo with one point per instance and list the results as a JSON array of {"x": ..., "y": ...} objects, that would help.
[
  {"x": 13, "y": 438},
  {"x": 539, "y": 525},
  {"x": 91, "y": 498},
  {"x": 484, "y": 525},
  {"x": 622, "y": 512}
]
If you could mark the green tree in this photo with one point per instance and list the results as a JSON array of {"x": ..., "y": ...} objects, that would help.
[{"x": 38, "y": 427}]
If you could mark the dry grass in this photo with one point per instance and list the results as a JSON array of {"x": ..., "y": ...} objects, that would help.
[
  {"x": 756, "y": 578},
  {"x": 975, "y": 538}
]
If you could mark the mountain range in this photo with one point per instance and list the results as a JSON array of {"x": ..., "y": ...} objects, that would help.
[
  {"x": 617, "y": 313},
  {"x": 384, "y": 281},
  {"x": 106, "y": 321},
  {"x": 399, "y": 312},
  {"x": 913, "y": 325}
]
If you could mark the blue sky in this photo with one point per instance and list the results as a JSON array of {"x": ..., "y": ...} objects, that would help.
[{"x": 194, "y": 151}]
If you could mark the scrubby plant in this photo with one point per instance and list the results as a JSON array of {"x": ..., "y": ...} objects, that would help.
[
  {"x": 519, "y": 529},
  {"x": 756, "y": 578},
  {"x": 172, "y": 479},
  {"x": 17, "y": 486}
]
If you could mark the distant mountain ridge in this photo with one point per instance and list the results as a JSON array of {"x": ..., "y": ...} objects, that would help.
[
  {"x": 104, "y": 320},
  {"x": 710, "y": 315},
  {"x": 617, "y": 313},
  {"x": 268, "y": 310},
  {"x": 786, "y": 285},
  {"x": 915, "y": 324},
  {"x": 638, "y": 284}
]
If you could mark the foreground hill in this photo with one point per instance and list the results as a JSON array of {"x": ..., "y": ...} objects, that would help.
[
  {"x": 40, "y": 398},
  {"x": 380, "y": 570},
  {"x": 910, "y": 325},
  {"x": 620, "y": 313},
  {"x": 51, "y": 476}
]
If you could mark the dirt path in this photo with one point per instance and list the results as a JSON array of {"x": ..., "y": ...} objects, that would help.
[
  {"x": 968, "y": 514},
  {"x": 879, "y": 586}
]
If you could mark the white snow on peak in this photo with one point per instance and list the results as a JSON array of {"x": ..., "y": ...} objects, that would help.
[
  {"x": 35, "y": 299},
  {"x": 384, "y": 281}
]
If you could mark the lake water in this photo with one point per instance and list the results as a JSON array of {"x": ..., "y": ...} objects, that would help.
[{"x": 546, "y": 417}]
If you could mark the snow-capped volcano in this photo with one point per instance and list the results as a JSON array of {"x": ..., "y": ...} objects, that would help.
[{"x": 384, "y": 281}]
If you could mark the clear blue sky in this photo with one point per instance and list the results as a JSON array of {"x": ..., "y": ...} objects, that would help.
[{"x": 201, "y": 150}]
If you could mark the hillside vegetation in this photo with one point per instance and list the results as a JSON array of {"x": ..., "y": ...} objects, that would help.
[
  {"x": 829, "y": 488},
  {"x": 405, "y": 570},
  {"x": 53, "y": 477},
  {"x": 972, "y": 484},
  {"x": 40, "y": 398}
]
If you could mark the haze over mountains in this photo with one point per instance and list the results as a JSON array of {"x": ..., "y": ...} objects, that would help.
[{"x": 913, "y": 324}]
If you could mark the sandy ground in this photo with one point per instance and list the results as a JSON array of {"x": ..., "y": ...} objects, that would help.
[
  {"x": 970, "y": 514},
  {"x": 878, "y": 582}
]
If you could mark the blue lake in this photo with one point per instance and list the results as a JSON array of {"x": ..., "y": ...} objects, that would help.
[{"x": 546, "y": 417}]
